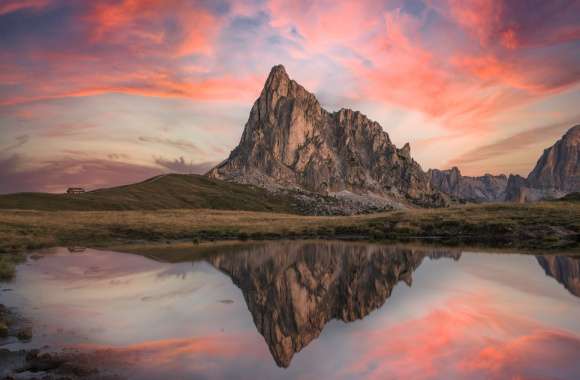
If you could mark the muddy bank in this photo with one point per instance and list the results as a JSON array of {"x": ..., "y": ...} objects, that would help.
[
  {"x": 13, "y": 326},
  {"x": 32, "y": 364},
  {"x": 65, "y": 365}
]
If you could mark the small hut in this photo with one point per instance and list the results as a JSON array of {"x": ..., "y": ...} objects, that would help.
[{"x": 75, "y": 190}]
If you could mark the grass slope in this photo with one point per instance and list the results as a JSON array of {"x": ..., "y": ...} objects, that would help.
[{"x": 171, "y": 191}]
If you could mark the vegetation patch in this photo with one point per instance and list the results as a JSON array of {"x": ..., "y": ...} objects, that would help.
[{"x": 8, "y": 262}]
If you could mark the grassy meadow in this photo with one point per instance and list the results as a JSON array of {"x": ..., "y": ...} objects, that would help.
[{"x": 536, "y": 225}]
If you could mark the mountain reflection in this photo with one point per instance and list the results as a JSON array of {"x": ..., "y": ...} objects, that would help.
[
  {"x": 565, "y": 269},
  {"x": 293, "y": 289}
]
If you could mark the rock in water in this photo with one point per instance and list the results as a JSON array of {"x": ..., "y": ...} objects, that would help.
[{"x": 290, "y": 141}]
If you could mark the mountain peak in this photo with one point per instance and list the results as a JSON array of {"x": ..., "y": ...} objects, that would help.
[
  {"x": 278, "y": 69},
  {"x": 573, "y": 132},
  {"x": 277, "y": 78},
  {"x": 291, "y": 142},
  {"x": 557, "y": 169}
]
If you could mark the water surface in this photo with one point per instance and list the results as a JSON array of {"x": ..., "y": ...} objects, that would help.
[{"x": 309, "y": 310}]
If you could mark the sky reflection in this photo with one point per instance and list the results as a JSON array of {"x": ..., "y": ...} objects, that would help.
[{"x": 464, "y": 315}]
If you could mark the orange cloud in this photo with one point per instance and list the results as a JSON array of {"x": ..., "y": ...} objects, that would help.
[
  {"x": 513, "y": 74},
  {"x": 322, "y": 25},
  {"x": 140, "y": 23},
  {"x": 155, "y": 84},
  {"x": 421, "y": 80}
]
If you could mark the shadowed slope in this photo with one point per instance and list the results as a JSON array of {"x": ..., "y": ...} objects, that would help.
[{"x": 171, "y": 191}]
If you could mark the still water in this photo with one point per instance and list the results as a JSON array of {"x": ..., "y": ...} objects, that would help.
[{"x": 309, "y": 310}]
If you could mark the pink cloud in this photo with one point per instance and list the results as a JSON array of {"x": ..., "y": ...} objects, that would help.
[
  {"x": 159, "y": 84},
  {"x": 56, "y": 175},
  {"x": 9, "y": 6},
  {"x": 324, "y": 24},
  {"x": 141, "y": 23},
  {"x": 513, "y": 25}
]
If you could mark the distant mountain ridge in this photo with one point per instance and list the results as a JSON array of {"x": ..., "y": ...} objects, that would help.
[
  {"x": 486, "y": 188},
  {"x": 556, "y": 174},
  {"x": 290, "y": 141}
]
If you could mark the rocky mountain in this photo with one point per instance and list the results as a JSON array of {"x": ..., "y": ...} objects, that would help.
[
  {"x": 291, "y": 142},
  {"x": 556, "y": 173},
  {"x": 293, "y": 290},
  {"x": 565, "y": 269},
  {"x": 486, "y": 188}
]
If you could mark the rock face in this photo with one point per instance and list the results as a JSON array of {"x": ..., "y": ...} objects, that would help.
[
  {"x": 517, "y": 189},
  {"x": 556, "y": 173},
  {"x": 565, "y": 269},
  {"x": 487, "y": 188},
  {"x": 292, "y": 290},
  {"x": 290, "y": 141}
]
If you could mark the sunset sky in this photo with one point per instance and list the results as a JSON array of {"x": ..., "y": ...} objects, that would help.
[{"x": 100, "y": 93}]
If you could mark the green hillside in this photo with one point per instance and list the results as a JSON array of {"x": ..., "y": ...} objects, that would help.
[{"x": 171, "y": 191}]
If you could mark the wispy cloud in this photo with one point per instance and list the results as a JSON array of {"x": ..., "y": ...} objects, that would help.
[
  {"x": 58, "y": 174},
  {"x": 175, "y": 143},
  {"x": 503, "y": 148},
  {"x": 66, "y": 130},
  {"x": 180, "y": 165},
  {"x": 9, "y": 6},
  {"x": 19, "y": 141}
]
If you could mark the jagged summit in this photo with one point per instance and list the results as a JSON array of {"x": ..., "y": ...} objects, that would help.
[
  {"x": 290, "y": 141},
  {"x": 278, "y": 79},
  {"x": 556, "y": 173},
  {"x": 486, "y": 188},
  {"x": 573, "y": 132}
]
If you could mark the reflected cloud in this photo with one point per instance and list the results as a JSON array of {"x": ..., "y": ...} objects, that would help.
[
  {"x": 400, "y": 311},
  {"x": 163, "y": 357},
  {"x": 467, "y": 338}
]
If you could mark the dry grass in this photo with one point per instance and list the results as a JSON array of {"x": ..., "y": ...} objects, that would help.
[
  {"x": 28, "y": 229},
  {"x": 542, "y": 224}
]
